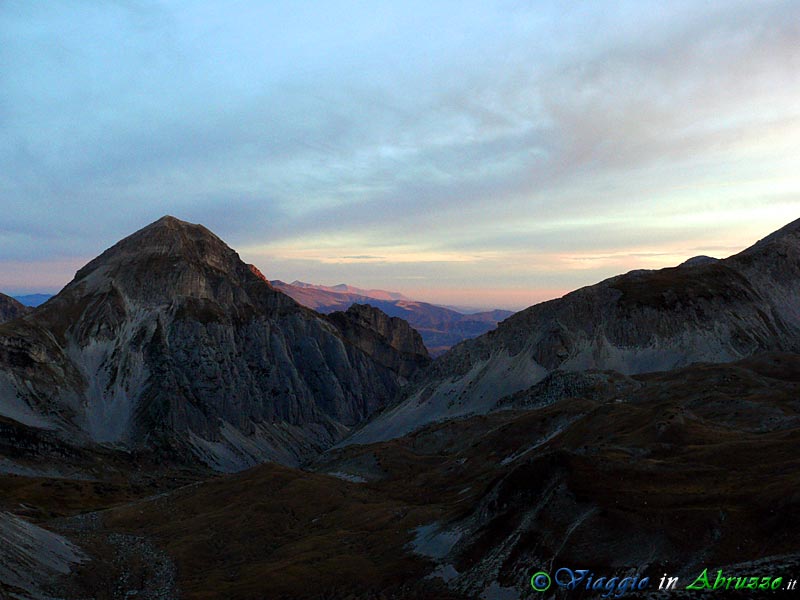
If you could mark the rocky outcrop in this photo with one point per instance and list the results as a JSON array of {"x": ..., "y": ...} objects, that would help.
[
  {"x": 11, "y": 309},
  {"x": 390, "y": 341},
  {"x": 706, "y": 310},
  {"x": 168, "y": 341}
]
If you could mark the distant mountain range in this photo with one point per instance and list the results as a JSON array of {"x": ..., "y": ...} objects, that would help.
[
  {"x": 440, "y": 327},
  {"x": 317, "y": 293},
  {"x": 33, "y": 299}
]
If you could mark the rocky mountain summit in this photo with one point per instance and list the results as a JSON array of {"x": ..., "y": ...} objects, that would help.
[
  {"x": 168, "y": 341},
  {"x": 643, "y": 321}
]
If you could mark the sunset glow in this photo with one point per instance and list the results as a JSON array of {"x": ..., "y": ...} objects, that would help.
[{"x": 489, "y": 153}]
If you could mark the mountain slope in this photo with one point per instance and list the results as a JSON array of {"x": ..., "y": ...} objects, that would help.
[
  {"x": 168, "y": 341},
  {"x": 389, "y": 340},
  {"x": 676, "y": 472},
  {"x": 642, "y": 321},
  {"x": 11, "y": 308}
]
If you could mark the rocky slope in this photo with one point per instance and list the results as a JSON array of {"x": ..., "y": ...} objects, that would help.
[
  {"x": 31, "y": 558},
  {"x": 168, "y": 341},
  {"x": 11, "y": 308},
  {"x": 665, "y": 472},
  {"x": 673, "y": 471},
  {"x": 642, "y": 321},
  {"x": 604, "y": 467},
  {"x": 389, "y": 340}
]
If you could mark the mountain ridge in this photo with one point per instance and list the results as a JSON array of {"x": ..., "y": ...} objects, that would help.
[
  {"x": 641, "y": 321},
  {"x": 168, "y": 341},
  {"x": 344, "y": 288},
  {"x": 594, "y": 464}
]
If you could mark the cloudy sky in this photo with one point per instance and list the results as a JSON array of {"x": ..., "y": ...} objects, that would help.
[{"x": 468, "y": 152}]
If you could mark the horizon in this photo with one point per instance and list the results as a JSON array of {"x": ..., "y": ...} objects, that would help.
[
  {"x": 429, "y": 296},
  {"x": 490, "y": 155}
]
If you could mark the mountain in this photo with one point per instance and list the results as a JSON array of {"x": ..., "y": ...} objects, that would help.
[
  {"x": 10, "y": 308},
  {"x": 326, "y": 299},
  {"x": 661, "y": 472},
  {"x": 440, "y": 327},
  {"x": 658, "y": 434},
  {"x": 667, "y": 472},
  {"x": 391, "y": 341},
  {"x": 343, "y": 288},
  {"x": 703, "y": 310},
  {"x": 33, "y": 299},
  {"x": 168, "y": 342}
]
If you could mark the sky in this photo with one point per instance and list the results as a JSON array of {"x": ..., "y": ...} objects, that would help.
[{"x": 489, "y": 154}]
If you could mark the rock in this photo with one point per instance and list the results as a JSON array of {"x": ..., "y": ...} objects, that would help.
[
  {"x": 168, "y": 341},
  {"x": 390, "y": 341},
  {"x": 712, "y": 311},
  {"x": 11, "y": 309}
]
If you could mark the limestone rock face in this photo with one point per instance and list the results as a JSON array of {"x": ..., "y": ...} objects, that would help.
[
  {"x": 169, "y": 341},
  {"x": 11, "y": 309},
  {"x": 702, "y": 311},
  {"x": 391, "y": 341}
]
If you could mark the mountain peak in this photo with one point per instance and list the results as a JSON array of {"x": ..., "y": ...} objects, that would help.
[
  {"x": 169, "y": 219},
  {"x": 779, "y": 249},
  {"x": 169, "y": 228},
  {"x": 168, "y": 223},
  {"x": 169, "y": 340},
  {"x": 699, "y": 260},
  {"x": 166, "y": 240},
  {"x": 171, "y": 259}
]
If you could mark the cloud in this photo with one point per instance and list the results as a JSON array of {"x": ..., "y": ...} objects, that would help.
[{"x": 434, "y": 136}]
